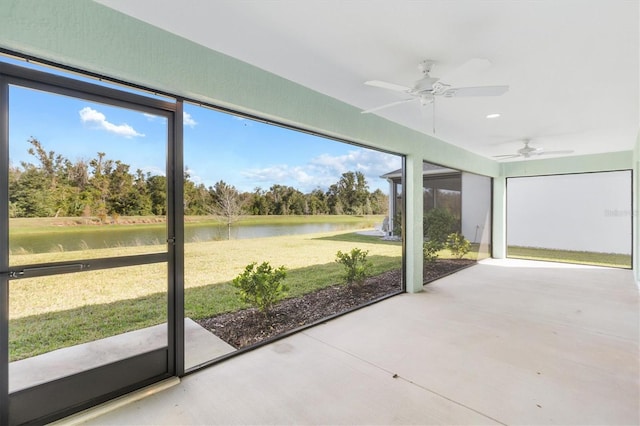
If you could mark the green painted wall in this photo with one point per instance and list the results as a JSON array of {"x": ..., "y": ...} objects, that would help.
[{"x": 579, "y": 164}]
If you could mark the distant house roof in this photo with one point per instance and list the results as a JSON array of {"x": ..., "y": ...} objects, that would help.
[{"x": 427, "y": 169}]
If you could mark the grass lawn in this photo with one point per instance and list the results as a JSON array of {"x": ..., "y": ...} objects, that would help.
[
  {"x": 52, "y": 312},
  {"x": 581, "y": 257}
]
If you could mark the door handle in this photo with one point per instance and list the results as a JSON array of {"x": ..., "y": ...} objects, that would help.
[{"x": 48, "y": 270}]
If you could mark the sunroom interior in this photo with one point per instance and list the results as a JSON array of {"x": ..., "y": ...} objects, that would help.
[{"x": 572, "y": 71}]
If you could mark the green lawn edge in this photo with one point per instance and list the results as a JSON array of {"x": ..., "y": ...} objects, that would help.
[{"x": 614, "y": 260}]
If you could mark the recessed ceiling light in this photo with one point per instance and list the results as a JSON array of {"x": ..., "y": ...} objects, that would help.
[{"x": 493, "y": 115}]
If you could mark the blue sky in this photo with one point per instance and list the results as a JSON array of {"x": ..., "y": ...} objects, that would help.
[{"x": 217, "y": 146}]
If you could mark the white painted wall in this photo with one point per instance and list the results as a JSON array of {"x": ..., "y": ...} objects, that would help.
[
  {"x": 586, "y": 212},
  {"x": 476, "y": 207}
]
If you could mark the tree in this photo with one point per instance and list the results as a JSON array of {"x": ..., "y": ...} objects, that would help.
[
  {"x": 157, "y": 187},
  {"x": 317, "y": 202},
  {"x": 285, "y": 200},
  {"x": 296, "y": 201},
  {"x": 55, "y": 186},
  {"x": 350, "y": 193},
  {"x": 196, "y": 197},
  {"x": 227, "y": 203},
  {"x": 122, "y": 195},
  {"x": 34, "y": 191},
  {"x": 30, "y": 195},
  {"x": 259, "y": 203},
  {"x": 379, "y": 202},
  {"x": 77, "y": 181},
  {"x": 100, "y": 184},
  {"x": 276, "y": 197},
  {"x": 142, "y": 196}
]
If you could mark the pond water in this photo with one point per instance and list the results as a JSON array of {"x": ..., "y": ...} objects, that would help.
[
  {"x": 207, "y": 233},
  {"x": 125, "y": 236}
]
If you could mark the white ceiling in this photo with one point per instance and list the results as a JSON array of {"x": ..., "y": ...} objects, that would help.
[{"x": 572, "y": 65}]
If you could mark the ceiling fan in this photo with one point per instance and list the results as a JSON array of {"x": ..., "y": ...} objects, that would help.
[
  {"x": 427, "y": 88},
  {"x": 528, "y": 151}
]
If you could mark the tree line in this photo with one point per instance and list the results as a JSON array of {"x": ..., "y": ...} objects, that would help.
[{"x": 54, "y": 186}]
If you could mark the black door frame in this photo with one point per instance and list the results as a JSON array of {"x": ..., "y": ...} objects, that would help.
[{"x": 76, "y": 392}]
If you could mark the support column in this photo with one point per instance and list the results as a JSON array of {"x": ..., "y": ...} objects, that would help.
[
  {"x": 393, "y": 197},
  {"x": 413, "y": 232},
  {"x": 636, "y": 211},
  {"x": 499, "y": 226}
]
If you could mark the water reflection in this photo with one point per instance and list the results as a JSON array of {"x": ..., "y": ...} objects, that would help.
[{"x": 124, "y": 236}]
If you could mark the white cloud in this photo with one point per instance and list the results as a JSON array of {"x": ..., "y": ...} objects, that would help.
[
  {"x": 276, "y": 173},
  {"x": 187, "y": 120},
  {"x": 302, "y": 178},
  {"x": 371, "y": 163},
  {"x": 325, "y": 170},
  {"x": 193, "y": 176},
  {"x": 90, "y": 115},
  {"x": 153, "y": 170}
]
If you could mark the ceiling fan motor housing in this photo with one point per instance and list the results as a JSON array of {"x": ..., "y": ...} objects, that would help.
[
  {"x": 424, "y": 85},
  {"x": 527, "y": 150}
]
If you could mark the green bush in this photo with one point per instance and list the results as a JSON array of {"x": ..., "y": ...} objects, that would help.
[
  {"x": 430, "y": 251},
  {"x": 261, "y": 287},
  {"x": 356, "y": 265},
  {"x": 397, "y": 225},
  {"x": 458, "y": 245},
  {"x": 438, "y": 224}
]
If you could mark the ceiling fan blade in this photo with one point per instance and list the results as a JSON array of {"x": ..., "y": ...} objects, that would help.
[
  {"x": 388, "y": 86},
  {"x": 566, "y": 151},
  {"x": 506, "y": 156},
  {"x": 475, "y": 91},
  {"x": 387, "y": 106}
]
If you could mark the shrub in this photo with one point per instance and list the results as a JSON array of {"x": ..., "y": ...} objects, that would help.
[
  {"x": 356, "y": 265},
  {"x": 397, "y": 225},
  {"x": 438, "y": 224},
  {"x": 458, "y": 245},
  {"x": 261, "y": 287},
  {"x": 430, "y": 251}
]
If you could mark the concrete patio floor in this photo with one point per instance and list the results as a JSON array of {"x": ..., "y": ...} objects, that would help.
[
  {"x": 503, "y": 342},
  {"x": 200, "y": 347}
]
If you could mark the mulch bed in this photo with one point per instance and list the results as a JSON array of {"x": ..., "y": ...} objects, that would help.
[
  {"x": 444, "y": 267},
  {"x": 249, "y": 326}
]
